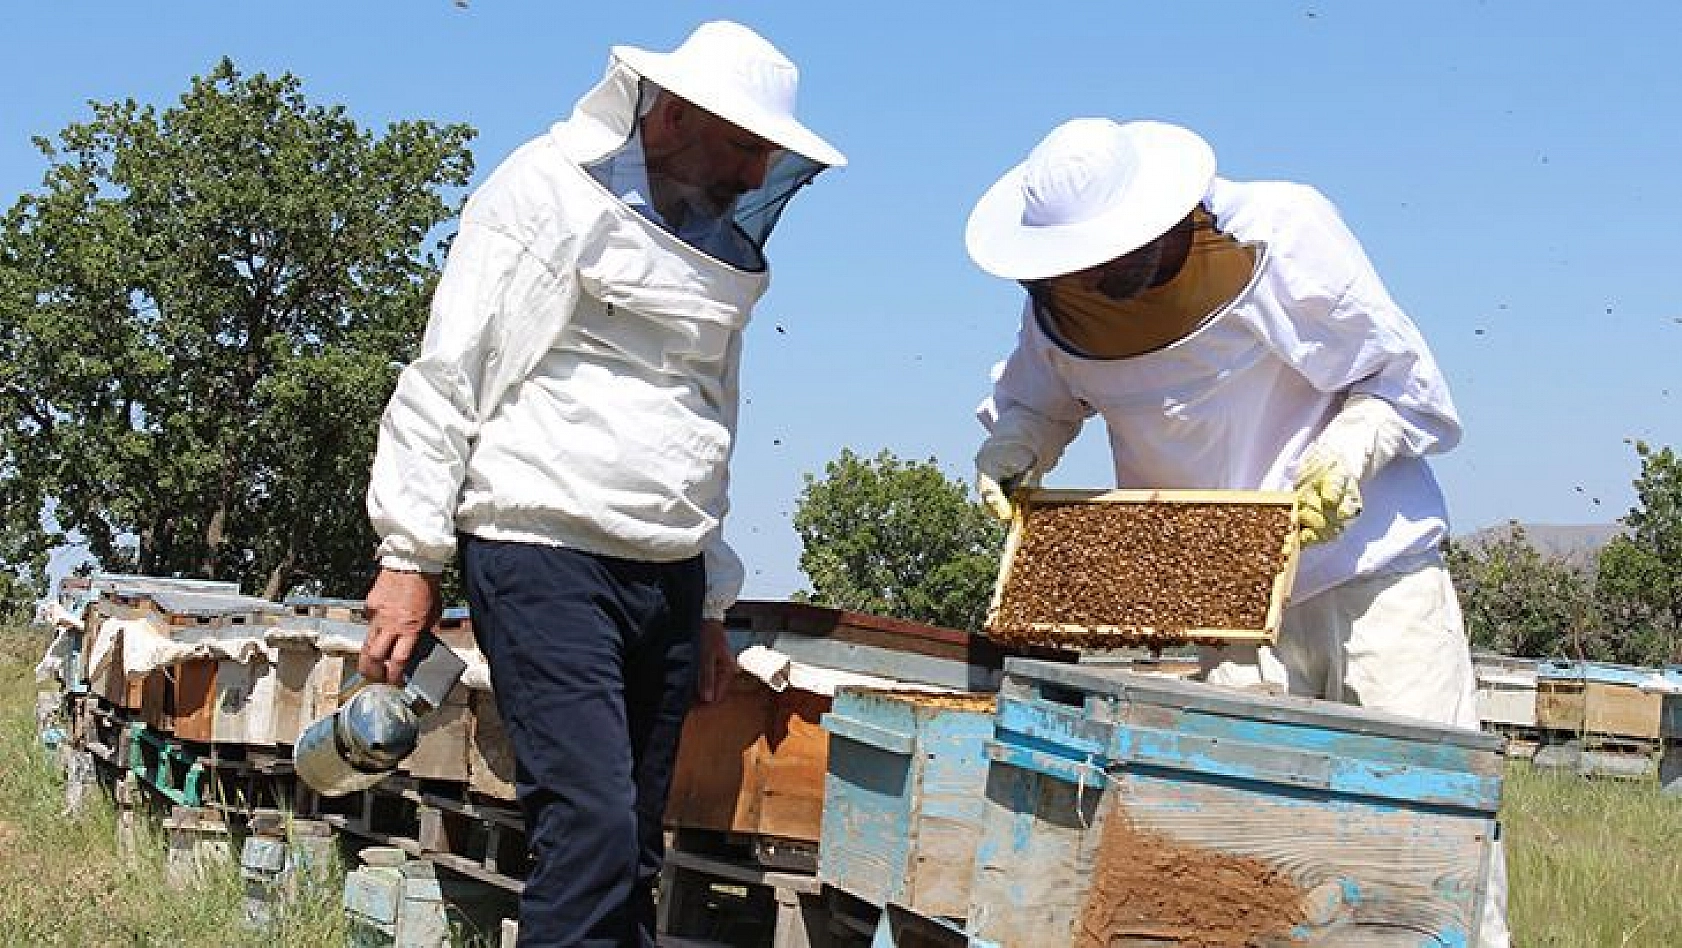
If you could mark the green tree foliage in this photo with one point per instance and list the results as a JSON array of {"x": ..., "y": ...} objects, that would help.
[
  {"x": 1519, "y": 602},
  {"x": 1640, "y": 578},
  {"x": 897, "y": 538},
  {"x": 202, "y": 312},
  {"x": 23, "y": 576}
]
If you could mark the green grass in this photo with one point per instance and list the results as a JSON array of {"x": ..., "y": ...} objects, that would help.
[
  {"x": 62, "y": 881},
  {"x": 1593, "y": 863}
]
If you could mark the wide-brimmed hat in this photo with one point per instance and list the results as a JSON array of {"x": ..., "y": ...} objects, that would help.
[
  {"x": 1092, "y": 191},
  {"x": 737, "y": 75}
]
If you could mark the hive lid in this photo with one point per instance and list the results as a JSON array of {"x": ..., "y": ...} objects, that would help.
[{"x": 1024, "y": 676}]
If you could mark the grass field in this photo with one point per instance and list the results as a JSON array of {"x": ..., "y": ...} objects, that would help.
[
  {"x": 1593, "y": 864},
  {"x": 62, "y": 881}
]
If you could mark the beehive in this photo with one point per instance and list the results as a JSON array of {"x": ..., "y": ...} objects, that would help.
[
  {"x": 1243, "y": 818},
  {"x": 903, "y": 797},
  {"x": 1105, "y": 569}
]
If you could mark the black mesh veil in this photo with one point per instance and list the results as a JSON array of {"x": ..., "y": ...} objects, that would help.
[
  {"x": 754, "y": 213},
  {"x": 758, "y": 210}
]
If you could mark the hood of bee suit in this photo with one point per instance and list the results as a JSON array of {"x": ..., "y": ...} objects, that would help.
[{"x": 728, "y": 70}]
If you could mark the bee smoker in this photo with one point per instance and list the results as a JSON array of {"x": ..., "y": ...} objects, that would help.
[{"x": 376, "y": 725}]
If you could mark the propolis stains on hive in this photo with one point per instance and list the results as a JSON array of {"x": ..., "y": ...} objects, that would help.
[
  {"x": 1091, "y": 569},
  {"x": 1149, "y": 888}
]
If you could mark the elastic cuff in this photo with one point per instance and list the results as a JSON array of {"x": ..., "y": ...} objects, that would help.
[{"x": 407, "y": 564}]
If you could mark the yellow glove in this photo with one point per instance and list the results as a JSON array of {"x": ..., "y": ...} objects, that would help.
[
  {"x": 1001, "y": 466},
  {"x": 1328, "y": 497}
]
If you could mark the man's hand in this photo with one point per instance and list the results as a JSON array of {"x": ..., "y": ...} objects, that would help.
[
  {"x": 715, "y": 665},
  {"x": 1328, "y": 497},
  {"x": 401, "y": 606},
  {"x": 1001, "y": 465}
]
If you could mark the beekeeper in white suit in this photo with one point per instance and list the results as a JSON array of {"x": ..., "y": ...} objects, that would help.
[
  {"x": 1234, "y": 335},
  {"x": 566, "y": 432}
]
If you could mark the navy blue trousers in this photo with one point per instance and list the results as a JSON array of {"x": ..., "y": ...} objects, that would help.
[{"x": 593, "y": 663}]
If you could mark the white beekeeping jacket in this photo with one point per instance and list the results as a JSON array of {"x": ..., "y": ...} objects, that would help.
[
  {"x": 1234, "y": 404},
  {"x": 577, "y": 385}
]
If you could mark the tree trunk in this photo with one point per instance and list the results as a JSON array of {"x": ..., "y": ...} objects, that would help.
[
  {"x": 280, "y": 578},
  {"x": 155, "y": 542},
  {"x": 215, "y": 532},
  {"x": 146, "y": 554}
]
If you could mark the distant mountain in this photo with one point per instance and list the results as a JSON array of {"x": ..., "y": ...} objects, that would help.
[{"x": 1576, "y": 544}]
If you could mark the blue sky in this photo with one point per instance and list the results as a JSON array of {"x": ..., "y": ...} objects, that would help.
[{"x": 1509, "y": 166}]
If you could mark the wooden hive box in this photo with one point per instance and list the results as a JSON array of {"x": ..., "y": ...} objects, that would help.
[
  {"x": 294, "y": 664},
  {"x": 441, "y": 752},
  {"x": 1106, "y": 569},
  {"x": 150, "y": 697},
  {"x": 903, "y": 797},
  {"x": 1606, "y": 700},
  {"x": 110, "y": 684},
  {"x": 490, "y": 754},
  {"x": 113, "y": 684},
  {"x": 1144, "y": 811},
  {"x": 247, "y": 701},
  {"x": 753, "y": 764},
  {"x": 307, "y": 686},
  {"x": 343, "y": 610},
  {"x": 1506, "y": 695},
  {"x": 192, "y": 716}
]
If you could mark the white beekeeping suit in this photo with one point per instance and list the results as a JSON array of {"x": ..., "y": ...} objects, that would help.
[
  {"x": 1235, "y": 335},
  {"x": 605, "y": 411}
]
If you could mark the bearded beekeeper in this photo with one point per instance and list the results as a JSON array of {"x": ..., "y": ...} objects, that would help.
[
  {"x": 566, "y": 432},
  {"x": 1234, "y": 335}
]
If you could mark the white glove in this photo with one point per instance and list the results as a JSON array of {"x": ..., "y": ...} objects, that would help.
[
  {"x": 1328, "y": 497},
  {"x": 1364, "y": 436},
  {"x": 1001, "y": 466}
]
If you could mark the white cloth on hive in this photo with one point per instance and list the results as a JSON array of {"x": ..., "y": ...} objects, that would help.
[
  {"x": 58, "y": 654},
  {"x": 61, "y": 618},
  {"x": 1657, "y": 682},
  {"x": 778, "y": 672},
  {"x": 147, "y": 646}
]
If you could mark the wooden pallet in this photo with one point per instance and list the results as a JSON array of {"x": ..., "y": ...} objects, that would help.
[
  {"x": 730, "y": 901},
  {"x": 437, "y": 823}
]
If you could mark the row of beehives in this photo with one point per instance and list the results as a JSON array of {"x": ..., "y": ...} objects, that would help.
[
  {"x": 1550, "y": 698},
  {"x": 1090, "y": 805},
  {"x": 1023, "y": 818},
  {"x": 198, "y": 661}
]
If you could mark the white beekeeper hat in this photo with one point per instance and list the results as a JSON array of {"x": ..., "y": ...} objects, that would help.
[
  {"x": 737, "y": 75},
  {"x": 1092, "y": 191}
]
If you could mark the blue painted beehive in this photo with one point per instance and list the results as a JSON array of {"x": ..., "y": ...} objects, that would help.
[
  {"x": 903, "y": 796},
  {"x": 1606, "y": 673},
  {"x": 1359, "y": 827}
]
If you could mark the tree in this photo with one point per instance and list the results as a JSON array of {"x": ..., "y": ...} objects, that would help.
[
  {"x": 23, "y": 573},
  {"x": 896, "y": 538},
  {"x": 1640, "y": 578},
  {"x": 201, "y": 314},
  {"x": 1519, "y": 602}
]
